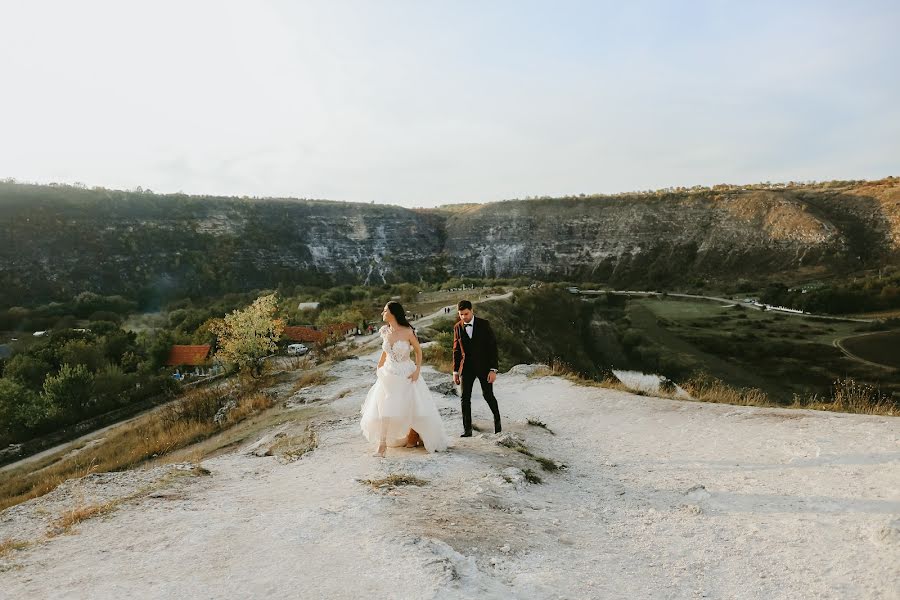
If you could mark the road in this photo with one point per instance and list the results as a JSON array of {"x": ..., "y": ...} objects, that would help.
[
  {"x": 719, "y": 299},
  {"x": 838, "y": 343}
]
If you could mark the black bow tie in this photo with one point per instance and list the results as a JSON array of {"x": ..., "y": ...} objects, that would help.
[{"x": 468, "y": 324}]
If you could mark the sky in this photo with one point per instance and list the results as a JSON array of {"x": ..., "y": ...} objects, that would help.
[{"x": 422, "y": 103}]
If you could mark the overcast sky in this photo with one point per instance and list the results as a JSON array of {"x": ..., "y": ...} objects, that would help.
[{"x": 422, "y": 102}]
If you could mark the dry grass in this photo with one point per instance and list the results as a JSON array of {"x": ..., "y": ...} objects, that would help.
[
  {"x": 438, "y": 357},
  {"x": 82, "y": 512},
  {"x": 561, "y": 369},
  {"x": 847, "y": 395},
  {"x": 295, "y": 363},
  {"x": 10, "y": 545},
  {"x": 395, "y": 480},
  {"x": 249, "y": 405},
  {"x": 153, "y": 435},
  {"x": 312, "y": 378},
  {"x": 276, "y": 417},
  {"x": 850, "y": 396},
  {"x": 704, "y": 388},
  {"x": 76, "y": 515},
  {"x": 332, "y": 351}
]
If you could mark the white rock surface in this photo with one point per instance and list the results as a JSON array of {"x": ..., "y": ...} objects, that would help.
[{"x": 661, "y": 499}]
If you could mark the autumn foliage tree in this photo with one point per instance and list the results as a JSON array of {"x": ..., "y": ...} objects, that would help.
[{"x": 247, "y": 336}]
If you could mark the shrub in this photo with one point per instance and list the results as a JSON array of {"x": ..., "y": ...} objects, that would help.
[
  {"x": 27, "y": 369},
  {"x": 443, "y": 325},
  {"x": 20, "y": 409},
  {"x": 81, "y": 352},
  {"x": 440, "y": 353},
  {"x": 112, "y": 386},
  {"x": 70, "y": 389}
]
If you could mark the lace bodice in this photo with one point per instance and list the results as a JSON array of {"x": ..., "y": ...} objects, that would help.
[{"x": 397, "y": 352}]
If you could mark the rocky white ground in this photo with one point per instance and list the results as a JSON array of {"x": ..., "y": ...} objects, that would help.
[{"x": 659, "y": 499}]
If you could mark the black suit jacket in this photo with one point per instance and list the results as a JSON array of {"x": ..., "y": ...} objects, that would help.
[{"x": 477, "y": 355}]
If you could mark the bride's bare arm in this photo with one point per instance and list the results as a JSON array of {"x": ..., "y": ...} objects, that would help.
[
  {"x": 381, "y": 360},
  {"x": 418, "y": 349}
]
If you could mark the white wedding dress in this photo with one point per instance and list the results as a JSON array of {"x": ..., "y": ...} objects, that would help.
[{"x": 395, "y": 404}]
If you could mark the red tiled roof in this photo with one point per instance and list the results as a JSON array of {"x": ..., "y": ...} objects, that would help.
[
  {"x": 303, "y": 334},
  {"x": 188, "y": 355},
  {"x": 308, "y": 334},
  {"x": 339, "y": 327}
]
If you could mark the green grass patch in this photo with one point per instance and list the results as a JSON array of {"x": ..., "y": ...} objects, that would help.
[
  {"x": 395, "y": 480},
  {"x": 532, "y": 477},
  {"x": 538, "y": 423}
]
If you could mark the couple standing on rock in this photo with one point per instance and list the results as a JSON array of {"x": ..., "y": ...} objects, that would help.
[{"x": 399, "y": 409}]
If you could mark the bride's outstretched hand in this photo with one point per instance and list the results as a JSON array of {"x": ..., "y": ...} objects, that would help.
[{"x": 414, "y": 375}]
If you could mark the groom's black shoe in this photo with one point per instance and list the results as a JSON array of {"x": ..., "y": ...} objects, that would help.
[
  {"x": 467, "y": 434},
  {"x": 497, "y": 428}
]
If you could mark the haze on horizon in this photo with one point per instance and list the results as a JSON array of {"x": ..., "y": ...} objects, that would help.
[{"x": 421, "y": 104}]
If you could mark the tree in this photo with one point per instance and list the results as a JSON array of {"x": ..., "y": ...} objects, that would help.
[
  {"x": 20, "y": 409},
  {"x": 82, "y": 352},
  {"x": 28, "y": 369},
  {"x": 407, "y": 292},
  {"x": 70, "y": 390},
  {"x": 155, "y": 346},
  {"x": 348, "y": 315},
  {"x": 247, "y": 336}
]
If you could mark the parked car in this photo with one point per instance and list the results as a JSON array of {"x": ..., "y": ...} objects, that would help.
[{"x": 297, "y": 349}]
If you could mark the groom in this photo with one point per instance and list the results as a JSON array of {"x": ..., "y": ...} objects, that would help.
[{"x": 474, "y": 357}]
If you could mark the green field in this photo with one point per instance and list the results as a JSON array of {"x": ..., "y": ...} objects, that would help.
[
  {"x": 882, "y": 348},
  {"x": 778, "y": 353}
]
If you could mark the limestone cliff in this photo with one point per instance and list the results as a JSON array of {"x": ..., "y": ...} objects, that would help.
[{"x": 60, "y": 240}]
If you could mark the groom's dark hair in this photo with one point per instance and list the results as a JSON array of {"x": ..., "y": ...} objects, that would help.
[{"x": 463, "y": 305}]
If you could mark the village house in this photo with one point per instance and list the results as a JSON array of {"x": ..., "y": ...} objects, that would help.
[
  {"x": 184, "y": 357},
  {"x": 316, "y": 335}
]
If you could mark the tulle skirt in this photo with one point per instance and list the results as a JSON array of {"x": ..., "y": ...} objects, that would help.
[{"x": 394, "y": 405}]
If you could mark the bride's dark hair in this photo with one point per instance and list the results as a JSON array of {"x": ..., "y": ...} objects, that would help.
[{"x": 397, "y": 310}]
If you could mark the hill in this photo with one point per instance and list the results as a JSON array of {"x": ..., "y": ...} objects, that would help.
[{"x": 62, "y": 240}]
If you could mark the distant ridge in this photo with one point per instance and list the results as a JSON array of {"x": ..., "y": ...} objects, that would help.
[{"x": 59, "y": 240}]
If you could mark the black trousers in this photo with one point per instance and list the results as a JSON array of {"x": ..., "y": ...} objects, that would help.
[{"x": 487, "y": 390}]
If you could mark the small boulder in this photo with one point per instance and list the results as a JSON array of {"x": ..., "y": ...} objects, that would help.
[
  {"x": 890, "y": 533},
  {"x": 697, "y": 493},
  {"x": 445, "y": 388},
  {"x": 513, "y": 475},
  {"x": 527, "y": 369},
  {"x": 222, "y": 413},
  {"x": 510, "y": 440}
]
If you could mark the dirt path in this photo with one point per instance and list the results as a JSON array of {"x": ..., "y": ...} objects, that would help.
[
  {"x": 728, "y": 301},
  {"x": 369, "y": 340},
  {"x": 658, "y": 499},
  {"x": 838, "y": 343}
]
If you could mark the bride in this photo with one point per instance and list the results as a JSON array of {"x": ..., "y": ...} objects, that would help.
[{"x": 399, "y": 409}]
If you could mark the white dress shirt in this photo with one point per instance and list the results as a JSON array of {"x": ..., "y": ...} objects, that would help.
[{"x": 470, "y": 331}]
